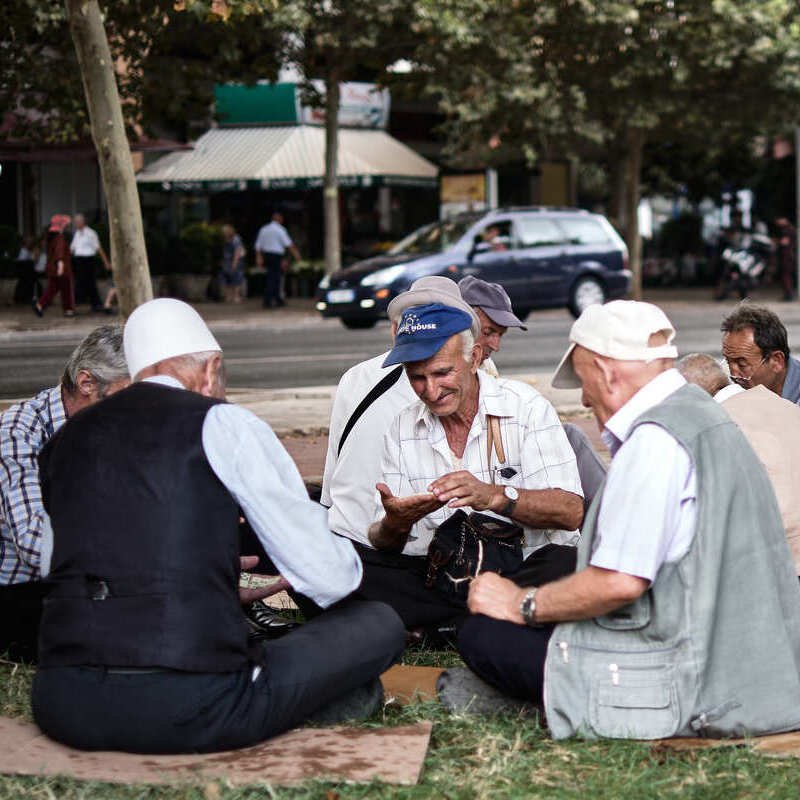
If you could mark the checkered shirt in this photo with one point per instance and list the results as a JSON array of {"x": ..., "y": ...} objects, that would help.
[
  {"x": 415, "y": 453},
  {"x": 25, "y": 428}
]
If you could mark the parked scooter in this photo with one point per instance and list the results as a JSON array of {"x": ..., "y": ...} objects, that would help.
[{"x": 744, "y": 264}]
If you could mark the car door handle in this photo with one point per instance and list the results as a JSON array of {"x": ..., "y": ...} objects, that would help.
[{"x": 470, "y": 270}]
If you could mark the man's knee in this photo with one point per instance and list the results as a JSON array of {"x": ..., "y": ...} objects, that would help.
[
  {"x": 384, "y": 624},
  {"x": 475, "y": 637}
]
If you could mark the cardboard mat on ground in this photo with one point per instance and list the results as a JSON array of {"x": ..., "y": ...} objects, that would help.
[
  {"x": 352, "y": 755},
  {"x": 780, "y": 745}
]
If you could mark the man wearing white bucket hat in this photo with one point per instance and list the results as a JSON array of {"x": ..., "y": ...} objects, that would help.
[
  {"x": 682, "y": 617},
  {"x": 143, "y": 641}
]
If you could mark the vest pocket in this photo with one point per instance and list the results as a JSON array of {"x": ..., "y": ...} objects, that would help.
[
  {"x": 634, "y": 703},
  {"x": 632, "y": 617}
]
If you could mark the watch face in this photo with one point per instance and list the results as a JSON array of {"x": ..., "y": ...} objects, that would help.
[{"x": 511, "y": 493}]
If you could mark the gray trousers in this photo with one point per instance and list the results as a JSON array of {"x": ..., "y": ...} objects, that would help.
[{"x": 182, "y": 712}]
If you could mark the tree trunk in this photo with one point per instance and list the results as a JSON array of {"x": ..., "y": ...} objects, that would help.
[
  {"x": 128, "y": 253},
  {"x": 330, "y": 192},
  {"x": 635, "y": 141}
]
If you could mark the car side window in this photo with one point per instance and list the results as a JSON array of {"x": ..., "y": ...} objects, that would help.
[
  {"x": 584, "y": 231},
  {"x": 495, "y": 237},
  {"x": 538, "y": 232}
]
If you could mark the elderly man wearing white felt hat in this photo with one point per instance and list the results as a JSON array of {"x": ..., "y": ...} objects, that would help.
[
  {"x": 144, "y": 646},
  {"x": 684, "y": 579}
]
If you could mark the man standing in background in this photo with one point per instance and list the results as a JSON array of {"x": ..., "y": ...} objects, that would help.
[
  {"x": 272, "y": 242},
  {"x": 85, "y": 248}
]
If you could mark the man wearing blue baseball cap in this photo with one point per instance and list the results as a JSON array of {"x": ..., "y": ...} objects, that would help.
[{"x": 435, "y": 458}]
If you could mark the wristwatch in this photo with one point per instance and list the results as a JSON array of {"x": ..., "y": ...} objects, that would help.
[
  {"x": 528, "y": 609},
  {"x": 512, "y": 495}
]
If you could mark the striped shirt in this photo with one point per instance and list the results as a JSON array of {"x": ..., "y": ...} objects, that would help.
[
  {"x": 25, "y": 428},
  {"x": 416, "y": 452}
]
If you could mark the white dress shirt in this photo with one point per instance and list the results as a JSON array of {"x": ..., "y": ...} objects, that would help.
[
  {"x": 273, "y": 238},
  {"x": 255, "y": 468},
  {"x": 348, "y": 483},
  {"x": 648, "y": 512},
  {"x": 416, "y": 452},
  {"x": 84, "y": 242}
]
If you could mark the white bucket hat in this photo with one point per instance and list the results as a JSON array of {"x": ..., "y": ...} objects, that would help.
[
  {"x": 621, "y": 330},
  {"x": 164, "y": 328}
]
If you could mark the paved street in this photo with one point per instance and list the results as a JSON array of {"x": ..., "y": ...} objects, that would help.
[{"x": 279, "y": 350}]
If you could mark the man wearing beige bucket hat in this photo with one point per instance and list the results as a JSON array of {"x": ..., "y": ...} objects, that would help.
[
  {"x": 143, "y": 643},
  {"x": 682, "y": 618}
]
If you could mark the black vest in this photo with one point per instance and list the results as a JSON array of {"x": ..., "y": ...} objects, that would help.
[{"x": 145, "y": 566}]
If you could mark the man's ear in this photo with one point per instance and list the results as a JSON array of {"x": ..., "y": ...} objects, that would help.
[
  {"x": 85, "y": 384},
  {"x": 211, "y": 383},
  {"x": 776, "y": 361},
  {"x": 607, "y": 371},
  {"x": 477, "y": 357}
]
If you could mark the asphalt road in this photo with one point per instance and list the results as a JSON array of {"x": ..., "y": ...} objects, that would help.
[{"x": 314, "y": 352}]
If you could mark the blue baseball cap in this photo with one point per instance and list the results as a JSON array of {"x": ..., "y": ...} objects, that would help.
[{"x": 423, "y": 330}]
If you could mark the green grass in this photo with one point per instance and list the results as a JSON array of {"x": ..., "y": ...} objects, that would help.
[{"x": 470, "y": 757}]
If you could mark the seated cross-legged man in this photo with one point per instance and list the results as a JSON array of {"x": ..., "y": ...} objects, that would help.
[
  {"x": 95, "y": 370},
  {"x": 682, "y": 617},
  {"x": 143, "y": 644},
  {"x": 435, "y": 462}
]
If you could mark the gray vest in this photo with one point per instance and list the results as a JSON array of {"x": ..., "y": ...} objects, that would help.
[{"x": 713, "y": 647}]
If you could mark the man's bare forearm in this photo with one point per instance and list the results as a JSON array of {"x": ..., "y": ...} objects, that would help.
[
  {"x": 385, "y": 536},
  {"x": 548, "y": 508}
]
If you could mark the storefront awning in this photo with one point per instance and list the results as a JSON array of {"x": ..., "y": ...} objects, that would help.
[{"x": 234, "y": 159}]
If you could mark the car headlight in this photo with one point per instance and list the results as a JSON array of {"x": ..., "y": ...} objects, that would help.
[
  {"x": 325, "y": 282},
  {"x": 383, "y": 277}
]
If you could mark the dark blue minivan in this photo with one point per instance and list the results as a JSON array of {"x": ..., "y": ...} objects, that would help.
[{"x": 543, "y": 257}]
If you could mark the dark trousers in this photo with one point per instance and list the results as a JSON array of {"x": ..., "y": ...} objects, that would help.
[
  {"x": 399, "y": 581},
  {"x": 183, "y": 712},
  {"x": 507, "y": 656},
  {"x": 56, "y": 284},
  {"x": 272, "y": 285},
  {"x": 20, "y": 613},
  {"x": 85, "y": 283}
]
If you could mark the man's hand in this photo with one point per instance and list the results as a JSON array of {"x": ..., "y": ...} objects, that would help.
[
  {"x": 391, "y": 533},
  {"x": 462, "y": 488},
  {"x": 249, "y": 594},
  {"x": 496, "y": 597},
  {"x": 59, "y": 268}
]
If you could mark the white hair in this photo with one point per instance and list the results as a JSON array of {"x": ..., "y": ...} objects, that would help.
[{"x": 467, "y": 343}]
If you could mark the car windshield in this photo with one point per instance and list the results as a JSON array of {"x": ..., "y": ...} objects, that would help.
[{"x": 434, "y": 238}]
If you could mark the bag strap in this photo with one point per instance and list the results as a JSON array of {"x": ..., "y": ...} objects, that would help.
[
  {"x": 494, "y": 441},
  {"x": 385, "y": 383}
]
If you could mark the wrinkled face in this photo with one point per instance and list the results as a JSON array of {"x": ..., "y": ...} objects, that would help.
[
  {"x": 446, "y": 382},
  {"x": 748, "y": 365},
  {"x": 491, "y": 334},
  {"x": 596, "y": 393}
]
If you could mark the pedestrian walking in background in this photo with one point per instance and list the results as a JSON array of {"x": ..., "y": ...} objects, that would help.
[
  {"x": 272, "y": 242},
  {"x": 85, "y": 248},
  {"x": 232, "y": 268},
  {"x": 786, "y": 240},
  {"x": 59, "y": 268}
]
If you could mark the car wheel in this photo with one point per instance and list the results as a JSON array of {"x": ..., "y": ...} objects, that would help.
[
  {"x": 358, "y": 323},
  {"x": 586, "y": 291}
]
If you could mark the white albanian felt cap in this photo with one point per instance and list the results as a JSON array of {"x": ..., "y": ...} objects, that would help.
[
  {"x": 620, "y": 330},
  {"x": 164, "y": 328}
]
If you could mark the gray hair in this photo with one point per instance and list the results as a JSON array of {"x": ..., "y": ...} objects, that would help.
[
  {"x": 704, "y": 371},
  {"x": 467, "y": 343},
  {"x": 101, "y": 355},
  {"x": 192, "y": 362}
]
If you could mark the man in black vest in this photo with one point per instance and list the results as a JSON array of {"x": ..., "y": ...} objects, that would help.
[{"x": 143, "y": 644}]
